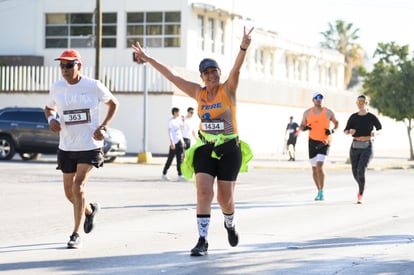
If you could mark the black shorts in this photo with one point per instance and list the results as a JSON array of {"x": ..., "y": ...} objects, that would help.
[
  {"x": 292, "y": 140},
  {"x": 226, "y": 168},
  {"x": 317, "y": 147},
  {"x": 68, "y": 160}
]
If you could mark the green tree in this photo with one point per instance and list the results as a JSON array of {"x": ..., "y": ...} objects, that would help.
[
  {"x": 342, "y": 37},
  {"x": 391, "y": 85}
]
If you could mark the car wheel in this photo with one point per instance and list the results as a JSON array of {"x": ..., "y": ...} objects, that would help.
[
  {"x": 29, "y": 156},
  {"x": 7, "y": 148},
  {"x": 109, "y": 159}
]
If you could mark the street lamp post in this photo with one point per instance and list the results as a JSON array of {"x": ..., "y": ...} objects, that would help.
[
  {"x": 145, "y": 109},
  {"x": 145, "y": 156}
]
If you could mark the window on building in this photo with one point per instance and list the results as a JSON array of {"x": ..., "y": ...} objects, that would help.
[
  {"x": 77, "y": 30},
  {"x": 200, "y": 32},
  {"x": 300, "y": 69},
  {"x": 329, "y": 74},
  {"x": 259, "y": 60},
  {"x": 210, "y": 35},
  {"x": 154, "y": 29},
  {"x": 321, "y": 74},
  {"x": 109, "y": 25},
  {"x": 270, "y": 63},
  {"x": 220, "y": 36},
  {"x": 287, "y": 65}
]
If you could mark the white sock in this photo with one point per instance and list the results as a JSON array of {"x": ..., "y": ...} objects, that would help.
[
  {"x": 203, "y": 222},
  {"x": 229, "y": 220}
]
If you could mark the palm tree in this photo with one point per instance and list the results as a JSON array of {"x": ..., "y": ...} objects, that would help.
[{"x": 342, "y": 37}]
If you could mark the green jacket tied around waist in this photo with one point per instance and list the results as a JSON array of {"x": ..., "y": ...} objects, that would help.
[{"x": 187, "y": 167}]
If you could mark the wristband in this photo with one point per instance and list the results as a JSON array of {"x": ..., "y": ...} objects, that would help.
[
  {"x": 243, "y": 49},
  {"x": 102, "y": 127},
  {"x": 49, "y": 118}
]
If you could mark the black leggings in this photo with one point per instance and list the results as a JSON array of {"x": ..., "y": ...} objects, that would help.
[{"x": 359, "y": 162}]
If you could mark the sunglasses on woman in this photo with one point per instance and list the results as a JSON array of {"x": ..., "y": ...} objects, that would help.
[{"x": 360, "y": 101}]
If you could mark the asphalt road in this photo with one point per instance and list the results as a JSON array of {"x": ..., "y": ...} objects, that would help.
[{"x": 147, "y": 226}]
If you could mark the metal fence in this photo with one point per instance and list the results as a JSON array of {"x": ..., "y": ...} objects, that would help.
[{"x": 117, "y": 79}]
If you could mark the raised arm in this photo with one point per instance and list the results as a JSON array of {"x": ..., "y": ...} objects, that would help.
[
  {"x": 188, "y": 87},
  {"x": 233, "y": 81}
]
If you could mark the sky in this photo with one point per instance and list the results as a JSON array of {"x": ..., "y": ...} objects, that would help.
[{"x": 303, "y": 20}]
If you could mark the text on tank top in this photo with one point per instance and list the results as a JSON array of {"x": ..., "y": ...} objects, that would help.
[{"x": 217, "y": 116}]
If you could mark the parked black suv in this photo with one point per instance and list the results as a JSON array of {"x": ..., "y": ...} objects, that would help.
[{"x": 25, "y": 130}]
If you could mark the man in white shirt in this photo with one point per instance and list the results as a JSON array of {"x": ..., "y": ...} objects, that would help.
[
  {"x": 190, "y": 128},
  {"x": 72, "y": 110},
  {"x": 175, "y": 133}
]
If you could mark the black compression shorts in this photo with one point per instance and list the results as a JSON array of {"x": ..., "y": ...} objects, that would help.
[{"x": 226, "y": 168}]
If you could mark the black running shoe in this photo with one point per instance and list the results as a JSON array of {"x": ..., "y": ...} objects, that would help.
[
  {"x": 232, "y": 235},
  {"x": 88, "y": 224},
  {"x": 74, "y": 241},
  {"x": 201, "y": 247}
]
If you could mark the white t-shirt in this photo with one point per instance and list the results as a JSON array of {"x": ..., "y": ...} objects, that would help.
[
  {"x": 78, "y": 110},
  {"x": 190, "y": 125},
  {"x": 175, "y": 126}
]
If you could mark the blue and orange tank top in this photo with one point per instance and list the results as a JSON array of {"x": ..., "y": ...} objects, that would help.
[
  {"x": 319, "y": 123},
  {"x": 219, "y": 115}
]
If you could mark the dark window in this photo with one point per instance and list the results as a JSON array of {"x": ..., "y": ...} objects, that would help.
[
  {"x": 154, "y": 29},
  {"x": 67, "y": 30},
  {"x": 7, "y": 116},
  {"x": 24, "y": 116}
]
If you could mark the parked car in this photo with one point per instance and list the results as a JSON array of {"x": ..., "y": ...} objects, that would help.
[{"x": 24, "y": 130}]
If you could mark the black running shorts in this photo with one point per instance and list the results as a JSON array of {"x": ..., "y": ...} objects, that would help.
[
  {"x": 68, "y": 160},
  {"x": 226, "y": 168},
  {"x": 317, "y": 147}
]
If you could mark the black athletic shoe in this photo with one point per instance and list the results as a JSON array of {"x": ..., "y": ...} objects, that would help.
[
  {"x": 88, "y": 224},
  {"x": 232, "y": 235},
  {"x": 74, "y": 241},
  {"x": 201, "y": 247}
]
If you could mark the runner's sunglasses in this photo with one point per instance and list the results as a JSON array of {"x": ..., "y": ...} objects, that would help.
[
  {"x": 360, "y": 102},
  {"x": 69, "y": 65}
]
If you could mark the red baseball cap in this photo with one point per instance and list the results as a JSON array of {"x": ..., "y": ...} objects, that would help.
[{"x": 70, "y": 55}]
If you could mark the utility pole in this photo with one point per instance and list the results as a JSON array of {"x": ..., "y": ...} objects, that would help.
[
  {"x": 145, "y": 156},
  {"x": 145, "y": 109},
  {"x": 98, "y": 39}
]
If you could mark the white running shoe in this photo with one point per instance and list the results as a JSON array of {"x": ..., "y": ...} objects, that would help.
[
  {"x": 181, "y": 178},
  {"x": 74, "y": 241},
  {"x": 165, "y": 178}
]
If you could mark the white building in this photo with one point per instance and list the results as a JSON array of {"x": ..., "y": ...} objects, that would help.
[
  {"x": 180, "y": 32},
  {"x": 277, "y": 80}
]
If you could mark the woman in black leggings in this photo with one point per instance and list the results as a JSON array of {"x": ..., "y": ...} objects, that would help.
[{"x": 361, "y": 126}]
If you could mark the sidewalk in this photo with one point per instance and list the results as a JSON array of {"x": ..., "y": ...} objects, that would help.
[{"x": 337, "y": 161}]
